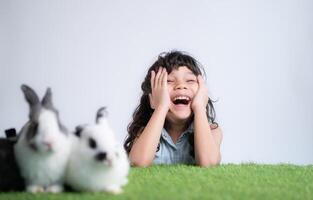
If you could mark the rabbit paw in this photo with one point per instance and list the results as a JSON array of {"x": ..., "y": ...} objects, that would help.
[
  {"x": 124, "y": 182},
  {"x": 35, "y": 188},
  {"x": 113, "y": 189},
  {"x": 54, "y": 188}
]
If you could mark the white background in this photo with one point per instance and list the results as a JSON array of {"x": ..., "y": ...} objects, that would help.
[{"x": 258, "y": 56}]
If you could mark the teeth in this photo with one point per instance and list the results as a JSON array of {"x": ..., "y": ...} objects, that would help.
[{"x": 181, "y": 97}]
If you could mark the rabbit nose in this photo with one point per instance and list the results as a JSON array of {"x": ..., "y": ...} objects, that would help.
[
  {"x": 101, "y": 156},
  {"x": 48, "y": 144}
]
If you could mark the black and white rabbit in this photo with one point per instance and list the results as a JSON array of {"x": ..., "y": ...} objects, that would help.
[
  {"x": 98, "y": 163},
  {"x": 43, "y": 145}
]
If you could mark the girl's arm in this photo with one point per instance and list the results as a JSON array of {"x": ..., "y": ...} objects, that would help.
[
  {"x": 143, "y": 150},
  {"x": 207, "y": 142}
]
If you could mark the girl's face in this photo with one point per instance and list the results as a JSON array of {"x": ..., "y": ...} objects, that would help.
[{"x": 182, "y": 87}]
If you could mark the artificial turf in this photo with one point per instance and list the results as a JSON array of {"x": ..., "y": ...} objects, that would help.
[{"x": 228, "y": 181}]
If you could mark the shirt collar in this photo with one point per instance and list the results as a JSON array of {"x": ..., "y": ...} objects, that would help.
[{"x": 165, "y": 135}]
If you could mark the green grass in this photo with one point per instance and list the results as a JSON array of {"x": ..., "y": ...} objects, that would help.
[{"x": 246, "y": 181}]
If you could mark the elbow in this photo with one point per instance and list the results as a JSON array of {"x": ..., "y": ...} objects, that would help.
[
  {"x": 210, "y": 162},
  {"x": 140, "y": 162}
]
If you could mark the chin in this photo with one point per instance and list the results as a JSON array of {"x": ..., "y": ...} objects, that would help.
[{"x": 181, "y": 115}]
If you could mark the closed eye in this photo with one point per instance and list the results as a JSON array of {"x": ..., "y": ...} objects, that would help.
[{"x": 191, "y": 81}]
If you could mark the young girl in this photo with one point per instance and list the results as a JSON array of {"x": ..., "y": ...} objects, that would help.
[{"x": 175, "y": 120}]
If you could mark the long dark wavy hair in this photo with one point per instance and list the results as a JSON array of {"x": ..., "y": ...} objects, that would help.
[{"x": 142, "y": 114}]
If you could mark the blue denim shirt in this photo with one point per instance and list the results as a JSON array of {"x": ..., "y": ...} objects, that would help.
[{"x": 170, "y": 153}]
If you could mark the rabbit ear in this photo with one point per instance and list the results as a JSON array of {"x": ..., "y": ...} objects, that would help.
[
  {"x": 78, "y": 130},
  {"x": 30, "y": 95},
  {"x": 101, "y": 113},
  {"x": 47, "y": 99}
]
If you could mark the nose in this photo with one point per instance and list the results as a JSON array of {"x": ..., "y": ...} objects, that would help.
[
  {"x": 180, "y": 86},
  {"x": 101, "y": 156},
  {"x": 48, "y": 144}
]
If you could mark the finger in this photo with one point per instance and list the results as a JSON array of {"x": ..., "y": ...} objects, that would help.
[
  {"x": 164, "y": 79},
  {"x": 151, "y": 101},
  {"x": 157, "y": 77},
  {"x": 152, "y": 79},
  {"x": 200, "y": 80},
  {"x": 161, "y": 77}
]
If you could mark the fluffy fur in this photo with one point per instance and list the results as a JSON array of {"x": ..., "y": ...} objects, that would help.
[
  {"x": 43, "y": 146},
  {"x": 97, "y": 162}
]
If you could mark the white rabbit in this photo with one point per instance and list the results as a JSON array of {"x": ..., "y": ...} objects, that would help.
[
  {"x": 98, "y": 163},
  {"x": 43, "y": 145}
]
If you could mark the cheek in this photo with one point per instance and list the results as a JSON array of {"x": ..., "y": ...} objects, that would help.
[{"x": 169, "y": 89}]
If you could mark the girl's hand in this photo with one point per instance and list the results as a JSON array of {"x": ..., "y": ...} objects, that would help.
[
  {"x": 159, "y": 96},
  {"x": 201, "y": 98}
]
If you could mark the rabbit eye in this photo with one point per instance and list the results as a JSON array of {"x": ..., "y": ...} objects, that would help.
[{"x": 92, "y": 143}]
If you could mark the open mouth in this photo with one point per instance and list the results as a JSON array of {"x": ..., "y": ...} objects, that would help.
[{"x": 181, "y": 100}]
